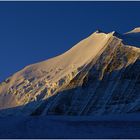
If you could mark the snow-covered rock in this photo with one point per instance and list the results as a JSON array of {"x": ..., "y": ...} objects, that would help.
[{"x": 99, "y": 75}]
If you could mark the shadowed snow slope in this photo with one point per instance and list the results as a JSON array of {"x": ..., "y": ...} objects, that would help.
[{"x": 98, "y": 75}]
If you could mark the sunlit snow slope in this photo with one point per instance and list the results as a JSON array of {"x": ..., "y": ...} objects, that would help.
[{"x": 99, "y": 75}]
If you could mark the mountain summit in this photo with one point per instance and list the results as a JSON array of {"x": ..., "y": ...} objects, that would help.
[
  {"x": 99, "y": 75},
  {"x": 135, "y": 30}
]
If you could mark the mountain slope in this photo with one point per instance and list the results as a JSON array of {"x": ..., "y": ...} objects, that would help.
[{"x": 98, "y": 75}]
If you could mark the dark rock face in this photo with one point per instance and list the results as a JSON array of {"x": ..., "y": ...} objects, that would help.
[{"x": 117, "y": 92}]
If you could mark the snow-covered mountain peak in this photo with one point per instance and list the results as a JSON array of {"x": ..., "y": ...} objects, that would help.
[
  {"x": 96, "y": 56},
  {"x": 99, "y": 31},
  {"x": 132, "y": 37},
  {"x": 53, "y": 73},
  {"x": 135, "y": 30}
]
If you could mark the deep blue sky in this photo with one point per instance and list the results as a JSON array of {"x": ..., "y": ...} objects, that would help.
[{"x": 34, "y": 31}]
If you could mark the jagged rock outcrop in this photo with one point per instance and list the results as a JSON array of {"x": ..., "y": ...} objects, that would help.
[{"x": 99, "y": 75}]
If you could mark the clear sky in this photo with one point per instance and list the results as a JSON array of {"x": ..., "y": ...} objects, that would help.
[{"x": 34, "y": 31}]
